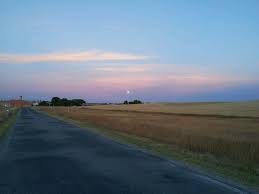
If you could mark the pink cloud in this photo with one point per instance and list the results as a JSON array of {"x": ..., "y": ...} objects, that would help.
[
  {"x": 137, "y": 82},
  {"x": 180, "y": 81},
  {"x": 122, "y": 69},
  {"x": 70, "y": 57}
]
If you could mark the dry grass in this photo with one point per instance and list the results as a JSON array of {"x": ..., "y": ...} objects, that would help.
[
  {"x": 2, "y": 115},
  {"x": 243, "y": 109},
  {"x": 6, "y": 120},
  {"x": 236, "y": 139}
]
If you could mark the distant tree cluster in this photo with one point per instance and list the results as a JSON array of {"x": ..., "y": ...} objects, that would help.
[
  {"x": 44, "y": 103},
  {"x": 56, "y": 101},
  {"x": 133, "y": 102}
]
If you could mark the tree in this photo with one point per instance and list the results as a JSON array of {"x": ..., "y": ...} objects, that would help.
[
  {"x": 44, "y": 103},
  {"x": 55, "y": 101},
  {"x": 65, "y": 102},
  {"x": 133, "y": 102},
  {"x": 137, "y": 102},
  {"x": 77, "y": 102}
]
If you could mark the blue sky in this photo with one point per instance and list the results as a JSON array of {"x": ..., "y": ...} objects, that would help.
[{"x": 159, "y": 51}]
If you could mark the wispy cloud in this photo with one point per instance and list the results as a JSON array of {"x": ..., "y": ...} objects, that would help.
[
  {"x": 83, "y": 56},
  {"x": 124, "y": 69},
  {"x": 174, "y": 82}
]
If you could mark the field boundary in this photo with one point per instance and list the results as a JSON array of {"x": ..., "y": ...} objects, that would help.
[{"x": 180, "y": 114}]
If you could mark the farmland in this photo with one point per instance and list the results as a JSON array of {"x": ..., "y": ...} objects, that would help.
[
  {"x": 225, "y": 134},
  {"x": 242, "y": 109}
]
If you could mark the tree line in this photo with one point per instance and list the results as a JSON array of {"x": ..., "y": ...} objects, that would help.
[
  {"x": 56, "y": 101},
  {"x": 133, "y": 102}
]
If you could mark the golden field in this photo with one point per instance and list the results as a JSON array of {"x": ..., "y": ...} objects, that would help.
[
  {"x": 242, "y": 109},
  {"x": 197, "y": 128},
  {"x": 222, "y": 138}
]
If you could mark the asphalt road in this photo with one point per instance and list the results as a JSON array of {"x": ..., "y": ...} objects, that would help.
[{"x": 46, "y": 155}]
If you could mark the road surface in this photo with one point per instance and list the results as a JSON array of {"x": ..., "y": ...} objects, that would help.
[{"x": 46, "y": 155}]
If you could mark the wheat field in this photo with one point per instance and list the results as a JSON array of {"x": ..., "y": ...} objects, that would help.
[
  {"x": 235, "y": 138},
  {"x": 242, "y": 109}
]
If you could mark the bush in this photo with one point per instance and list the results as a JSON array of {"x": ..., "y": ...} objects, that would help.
[{"x": 44, "y": 103}]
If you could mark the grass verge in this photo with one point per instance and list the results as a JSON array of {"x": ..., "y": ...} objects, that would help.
[
  {"x": 245, "y": 173},
  {"x": 8, "y": 122}
]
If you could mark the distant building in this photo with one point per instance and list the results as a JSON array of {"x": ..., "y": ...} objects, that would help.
[
  {"x": 20, "y": 103},
  {"x": 35, "y": 104}
]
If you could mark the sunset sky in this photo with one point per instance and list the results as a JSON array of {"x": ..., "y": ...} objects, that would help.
[{"x": 163, "y": 50}]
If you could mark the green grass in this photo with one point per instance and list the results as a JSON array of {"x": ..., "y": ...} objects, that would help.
[
  {"x": 8, "y": 122},
  {"x": 244, "y": 173}
]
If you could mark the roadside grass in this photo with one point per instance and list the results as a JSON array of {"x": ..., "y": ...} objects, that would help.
[
  {"x": 6, "y": 121},
  {"x": 237, "y": 172},
  {"x": 224, "y": 146}
]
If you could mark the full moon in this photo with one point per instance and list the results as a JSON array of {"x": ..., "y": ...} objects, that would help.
[{"x": 127, "y": 92}]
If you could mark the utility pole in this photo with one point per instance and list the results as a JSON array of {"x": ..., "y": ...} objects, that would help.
[{"x": 21, "y": 101}]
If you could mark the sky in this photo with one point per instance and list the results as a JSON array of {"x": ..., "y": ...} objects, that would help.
[{"x": 111, "y": 50}]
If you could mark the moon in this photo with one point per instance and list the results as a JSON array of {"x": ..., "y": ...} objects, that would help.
[{"x": 127, "y": 92}]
